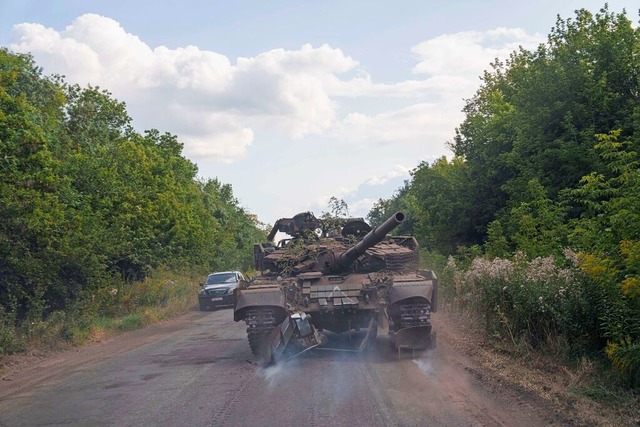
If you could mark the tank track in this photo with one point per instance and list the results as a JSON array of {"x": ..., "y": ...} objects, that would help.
[
  {"x": 417, "y": 314},
  {"x": 414, "y": 327},
  {"x": 260, "y": 323}
]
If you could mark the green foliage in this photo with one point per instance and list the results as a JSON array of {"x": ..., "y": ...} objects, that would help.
[
  {"x": 32, "y": 233},
  {"x": 547, "y": 158},
  {"x": 119, "y": 307},
  {"x": 333, "y": 220},
  {"x": 533, "y": 302},
  {"x": 337, "y": 207},
  {"x": 608, "y": 235},
  {"x": 231, "y": 246},
  {"x": 537, "y": 225},
  {"x": 497, "y": 244},
  {"x": 533, "y": 120},
  {"x": 442, "y": 204},
  {"x": 93, "y": 118},
  {"x": 90, "y": 206},
  {"x": 131, "y": 321},
  {"x": 433, "y": 261},
  {"x": 10, "y": 341},
  {"x": 625, "y": 356},
  {"x": 611, "y": 203},
  {"x": 402, "y": 201}
]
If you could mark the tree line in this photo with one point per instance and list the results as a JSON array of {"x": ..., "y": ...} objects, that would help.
[
  {"x": 88, "y": 203},
  {"x": 545, "y": 161}
]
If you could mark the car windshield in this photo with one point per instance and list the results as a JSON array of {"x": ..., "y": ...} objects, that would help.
[{"x": 215, "y": 279}]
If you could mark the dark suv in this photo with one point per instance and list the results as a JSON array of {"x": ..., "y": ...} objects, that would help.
[{"x": 217, "y": 289}]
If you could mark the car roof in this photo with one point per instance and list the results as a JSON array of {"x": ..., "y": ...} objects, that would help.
[{"x": 224, "y": 272}]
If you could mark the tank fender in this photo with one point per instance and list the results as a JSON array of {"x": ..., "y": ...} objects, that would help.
[
  {"x": 252, "y": 298},
  {"x": 419, "y": 289}
]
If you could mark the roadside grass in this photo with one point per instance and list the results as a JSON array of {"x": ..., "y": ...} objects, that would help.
[
  {"x": 103, "y": 314},
  {"x": 582, "y": 391},
  {"x": 602, "y": 386},
  {"x": 538, "y": 315}
]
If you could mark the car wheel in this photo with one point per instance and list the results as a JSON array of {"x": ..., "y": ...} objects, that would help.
[{"x": 203, "y": 307}]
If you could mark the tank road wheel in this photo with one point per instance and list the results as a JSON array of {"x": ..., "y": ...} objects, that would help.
[
  {"x": 260, "y": 323},
  {"x": 256, "y": 341}
]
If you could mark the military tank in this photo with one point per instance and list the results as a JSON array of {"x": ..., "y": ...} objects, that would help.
[{"x": 356, "y": 280}]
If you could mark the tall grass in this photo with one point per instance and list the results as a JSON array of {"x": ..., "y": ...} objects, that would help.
[
  {"x": 546, "y": 305},
  {"x": 112, "y": 308},
  {"x": 531, "y": 303}
]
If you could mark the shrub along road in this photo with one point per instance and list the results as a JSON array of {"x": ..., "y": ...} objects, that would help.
[{"x": 197, "y": 369}]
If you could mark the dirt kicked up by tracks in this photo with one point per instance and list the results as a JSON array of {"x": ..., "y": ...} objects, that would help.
[{"x": 197, "y": 369}]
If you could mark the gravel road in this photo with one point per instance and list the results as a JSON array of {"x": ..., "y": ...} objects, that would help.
[{"x": 197, "y": 370}]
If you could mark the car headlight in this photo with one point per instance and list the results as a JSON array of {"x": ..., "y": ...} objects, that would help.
[{"x": 202, "y": 292}]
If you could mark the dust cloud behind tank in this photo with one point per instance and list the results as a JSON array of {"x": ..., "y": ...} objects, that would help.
[{"x": 338, "y": 275}]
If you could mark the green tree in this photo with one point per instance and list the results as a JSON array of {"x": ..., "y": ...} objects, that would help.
[
  {"x": 234, "y": 230},
  {"x": 87, "y": 202},
  {"x": 444, "y": 205},
  {"x": 496, "y": 245},
  {"x": 536, "y": 114},
  {"x": 403, "y": 200},
  {"x": 32, "y": 232},
  {"x": 538, "y": 226}
]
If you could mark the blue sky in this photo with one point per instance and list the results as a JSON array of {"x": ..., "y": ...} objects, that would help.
[{"x": 289, "y": 102}]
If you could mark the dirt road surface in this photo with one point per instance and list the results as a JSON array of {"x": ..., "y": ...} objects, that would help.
[{"x": 197, "y": 370}]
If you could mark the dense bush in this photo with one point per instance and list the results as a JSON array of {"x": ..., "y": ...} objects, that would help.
[
  {"x": 533, "y": 302},
  {"x": 91, "y": 209},
  {"x": 547, "y": 158}
]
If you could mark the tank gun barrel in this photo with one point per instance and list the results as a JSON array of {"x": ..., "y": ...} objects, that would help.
[{"x": 372, "y": 238}]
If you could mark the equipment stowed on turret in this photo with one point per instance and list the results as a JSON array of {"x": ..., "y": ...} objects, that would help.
[{"x": 358, "y": 280}]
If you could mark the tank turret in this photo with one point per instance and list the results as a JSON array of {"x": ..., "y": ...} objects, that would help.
[
  {"x": 314, "y": 251},
  {"x": 372, "y": 238}
]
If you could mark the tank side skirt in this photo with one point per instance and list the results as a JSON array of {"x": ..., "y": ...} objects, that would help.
[{"x": 270, "y": 297}]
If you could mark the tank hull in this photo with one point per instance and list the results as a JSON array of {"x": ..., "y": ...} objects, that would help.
[
  {"x": 312, "y": 287},
  {"x": 400, "y": 305}
]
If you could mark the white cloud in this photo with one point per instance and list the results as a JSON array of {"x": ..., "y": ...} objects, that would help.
[
  {"x": 214, "y": 137},
  {"x": 322, "y": 201},
  {"x": 219, "y": 109},
  {"x": 361, "y": 198},
  {"x": 468, "y": 53},
  {"x": 279, "y": 90},
  {"x": 360, "y": 208},
  {"x": 396, "y": 171},
  {"x": 452, "y": 64},
  {"x": 430, "y": 123}
]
